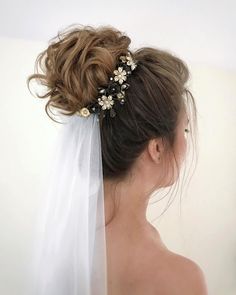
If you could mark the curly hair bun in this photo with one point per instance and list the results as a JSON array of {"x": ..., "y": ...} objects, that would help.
[{"x": 78, "y": 61}]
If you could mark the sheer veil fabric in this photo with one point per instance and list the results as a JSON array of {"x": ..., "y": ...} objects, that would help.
[{"x": 69, "y": 256}]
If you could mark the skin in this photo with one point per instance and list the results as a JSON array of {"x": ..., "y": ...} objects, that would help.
[{"x": 138, "y": 261}]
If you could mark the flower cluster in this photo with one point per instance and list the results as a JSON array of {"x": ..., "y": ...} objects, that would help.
[{"x": 115, "y": 90}]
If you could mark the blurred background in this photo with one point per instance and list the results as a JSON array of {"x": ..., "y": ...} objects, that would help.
[{"x": 203, "y": 34}]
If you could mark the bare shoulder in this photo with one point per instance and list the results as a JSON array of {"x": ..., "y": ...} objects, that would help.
[
  {"x": 170, "y": 273},
  {"x": 184, "y": 275},
  {"x": 196, "y": 282}
]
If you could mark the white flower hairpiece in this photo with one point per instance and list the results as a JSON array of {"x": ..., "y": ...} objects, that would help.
[{"x": 115, "y": 90}]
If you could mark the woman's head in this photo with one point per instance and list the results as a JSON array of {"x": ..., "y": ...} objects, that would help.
[{"x": 83, "y": 58}]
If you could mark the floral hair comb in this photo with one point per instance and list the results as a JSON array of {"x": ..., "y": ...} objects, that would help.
[{"x": 115, "y": 90}]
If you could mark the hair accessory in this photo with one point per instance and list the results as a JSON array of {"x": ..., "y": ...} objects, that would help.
[{"x": 114, "y": 91}]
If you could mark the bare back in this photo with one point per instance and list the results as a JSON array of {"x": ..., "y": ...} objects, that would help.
[{"x": 140, "y": 264}]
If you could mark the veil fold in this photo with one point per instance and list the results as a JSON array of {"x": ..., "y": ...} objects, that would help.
[{"x": 70, "y": 245}]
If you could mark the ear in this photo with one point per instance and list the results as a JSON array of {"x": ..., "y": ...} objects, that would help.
[{"x": 156, "y": 149}]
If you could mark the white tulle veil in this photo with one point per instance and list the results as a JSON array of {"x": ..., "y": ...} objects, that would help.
[{"x": 69, "y": 256}]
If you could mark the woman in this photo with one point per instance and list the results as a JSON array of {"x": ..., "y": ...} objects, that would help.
[{"x": 140, "y": 99}]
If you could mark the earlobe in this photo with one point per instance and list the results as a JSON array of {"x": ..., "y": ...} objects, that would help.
[{"x": 155, "y": 148}]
